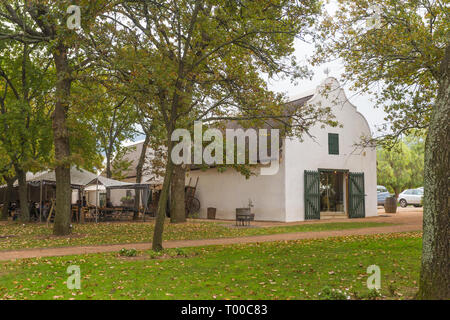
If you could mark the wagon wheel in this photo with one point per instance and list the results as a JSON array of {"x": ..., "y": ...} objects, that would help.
[{"x": 193, "y": 206}]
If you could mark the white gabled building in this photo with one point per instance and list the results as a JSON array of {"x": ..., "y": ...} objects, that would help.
[{"x": 321, "y": 177}]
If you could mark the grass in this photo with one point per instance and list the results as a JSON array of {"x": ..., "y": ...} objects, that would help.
[
  {"x": 19, "y": 236},
  {"x": 274, "y": 270}
]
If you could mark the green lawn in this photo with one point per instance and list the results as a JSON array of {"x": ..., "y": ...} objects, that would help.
[
  {"x": 19, "y": 236},
  {"x": 275, "y": 270}
]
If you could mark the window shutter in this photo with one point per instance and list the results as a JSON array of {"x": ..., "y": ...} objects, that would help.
[{"x": 333, "y": 143}]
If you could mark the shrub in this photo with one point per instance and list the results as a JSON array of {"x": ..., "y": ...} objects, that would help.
[
  {"x": 180, "y": 252},
  {"x": 128, "y": 253},
  {"x": 155, "y": 254},
  {"x": 373, "y": 294},
  {"x": 328, "y": 293}
]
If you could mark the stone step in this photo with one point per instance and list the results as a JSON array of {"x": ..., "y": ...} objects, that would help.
[{"x": 333, "y": 215}]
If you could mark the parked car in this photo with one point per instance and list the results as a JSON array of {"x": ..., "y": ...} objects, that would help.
[
  {"x": 411, "y": 196},
  {"x": 382, "y": 194}
]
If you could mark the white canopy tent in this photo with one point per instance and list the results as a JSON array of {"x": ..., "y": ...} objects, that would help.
[
  {"x": 81, "y": 180},
  {"x": 109, "y": 183},
  {"x": 78, "y": 177}
]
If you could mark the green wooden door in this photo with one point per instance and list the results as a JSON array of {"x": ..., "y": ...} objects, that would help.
[
  {"x": 312, "y": 195},
  {"x": 356, "y": 195}
]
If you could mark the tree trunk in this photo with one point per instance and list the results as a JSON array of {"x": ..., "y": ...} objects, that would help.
[
  {"x": 108, "y": 174},
  {"x": 435, "y": 271},
  {"x": 7, "y": 197},
  {"x": 61, "y": 142},
  {"x": 23, "y": 195},
  {"x": 162, "y": 203},
  {"x": 177, "y": 204},
  {"x": 139, "y": 172}
]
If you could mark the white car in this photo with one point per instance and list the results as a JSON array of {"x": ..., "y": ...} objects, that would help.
[{"x": 411, "y": 196}]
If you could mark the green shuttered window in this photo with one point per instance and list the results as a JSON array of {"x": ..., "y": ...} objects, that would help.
[{"x": 333, "y": 143}]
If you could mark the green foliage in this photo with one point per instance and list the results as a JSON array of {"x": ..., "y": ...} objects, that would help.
[
  {"x": 208, "y": 60},
  {"x": 328, "y": 293},
  {"x": 129, "y": 198},
  {"x": 25, "y": 86},
  {"x": 128, "y": 252},
  {"x": 121, "y": 163},
  {"x": 40, "y": 27},
  {"x": 111, "y": 116},
  {"x": 402, "y": 166},
  {"x": 374, "y": 294},
  {"x": 6, "y": 167},
  {"x": 398, "y": 61}
]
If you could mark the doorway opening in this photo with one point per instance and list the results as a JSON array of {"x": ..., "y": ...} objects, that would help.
[{"x": 333, "y": 192}]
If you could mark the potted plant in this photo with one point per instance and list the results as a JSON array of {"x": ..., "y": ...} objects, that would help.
[
  {"x": 127, "y": 201},
  {"x": 247, "y": 210},
  {"x": 245, "y": 215}
]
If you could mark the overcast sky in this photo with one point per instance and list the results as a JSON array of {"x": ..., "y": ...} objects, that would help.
[{"x": 364, "y": 103}]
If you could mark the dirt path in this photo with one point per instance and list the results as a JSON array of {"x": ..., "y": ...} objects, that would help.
[{"x": 407, "y": 221}]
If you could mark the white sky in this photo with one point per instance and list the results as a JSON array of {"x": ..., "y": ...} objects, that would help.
[{"x": 363, "y": 102}]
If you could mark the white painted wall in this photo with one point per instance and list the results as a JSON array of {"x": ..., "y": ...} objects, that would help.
[
  {"x": 74, "y": 196},
  {"x": 312, "y": 154},
  {"x": 281, "y": 197},
  {"x": 230, "y": 190}
]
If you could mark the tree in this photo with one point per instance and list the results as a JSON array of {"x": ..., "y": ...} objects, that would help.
[
  {"x": 7, "y": 175},
  {"x": 45, "y": 22},
  {"x": 416, "y": 144},
  {"x": 24, "y": 112},
  {"x": 143, "y": 165},
  {"x": 114, "y": 118},
  {"x": 190, "y": 60},
  {"x": 400, "y": 167},
  {"x": 406, "y": 55}
]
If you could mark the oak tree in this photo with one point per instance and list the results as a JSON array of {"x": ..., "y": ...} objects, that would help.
[{"x": 400, "y": 52}]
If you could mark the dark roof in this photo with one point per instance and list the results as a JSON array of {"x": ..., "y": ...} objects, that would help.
[
  {"x": 134, "y": 151},
  {"x": 290, "y": 108},
  {"x": 293, "y": 105},
  {"x": 132, "y": 154}
]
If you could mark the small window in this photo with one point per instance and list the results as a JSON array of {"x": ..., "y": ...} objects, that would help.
[{"x": 333, "y": 143}]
